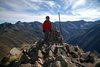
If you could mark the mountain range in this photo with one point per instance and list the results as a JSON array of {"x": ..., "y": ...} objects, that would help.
[
  {"x": 14, "y": 35},
  {"x": 82, "y": 33}
]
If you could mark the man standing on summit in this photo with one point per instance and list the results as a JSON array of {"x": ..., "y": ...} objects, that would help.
[{"x": 47, "y": 27}]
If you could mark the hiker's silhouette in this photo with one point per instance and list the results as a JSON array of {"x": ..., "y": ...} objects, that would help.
[{"x": 47, "y": 27}]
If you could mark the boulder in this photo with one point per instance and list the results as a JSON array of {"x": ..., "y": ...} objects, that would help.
[
  {"x": 74, "y": 54},
  {"x": 39, "y": 62},
  {"x": 15, "y": 51},
  {"x": 40, "y": 54},
  {"x": 56, "y": 64},
  {"x": 97, "y": 64},
  {"x": 90, "y": 58},
  {"x": 26, "y": 65},
  {"x": 63, "y": 61}
]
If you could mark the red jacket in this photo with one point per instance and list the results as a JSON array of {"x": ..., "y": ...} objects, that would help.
[{"x": 47, "y": 26}]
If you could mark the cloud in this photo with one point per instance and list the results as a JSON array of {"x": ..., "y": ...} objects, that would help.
[
  {"x": 51, "y": 3},
  {"x": 25, "y": 17},
  {"x": 20, "y": 16},
  {"x": 20, "y": 5},
  {"x": 36, "y": 10},
  {"x": 1, "y": 9},
  {"x": 90, "y": 14},
  {"x": 79, "y": 3}
]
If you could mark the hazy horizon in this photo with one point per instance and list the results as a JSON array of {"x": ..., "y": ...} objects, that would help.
[{"x": 42, "y": 22}]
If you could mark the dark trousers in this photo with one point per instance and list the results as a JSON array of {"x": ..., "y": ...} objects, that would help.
[{"x": 46, "y": 37}]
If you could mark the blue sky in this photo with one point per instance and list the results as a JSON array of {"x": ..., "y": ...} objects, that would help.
[{"x": 36, "y": 10}]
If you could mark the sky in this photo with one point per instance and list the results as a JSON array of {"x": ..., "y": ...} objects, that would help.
[{"x": 36, "y": 10}]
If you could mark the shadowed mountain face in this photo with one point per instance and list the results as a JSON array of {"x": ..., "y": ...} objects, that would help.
[
  {"x": 74, "y": 29},
  {"x": 90, "y": 40},
  {"x": 85, "y": 34},
  {"x": 14, "y": 35}
]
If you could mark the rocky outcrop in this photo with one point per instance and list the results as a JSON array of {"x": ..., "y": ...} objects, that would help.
[{"x": 54, "y": 54}]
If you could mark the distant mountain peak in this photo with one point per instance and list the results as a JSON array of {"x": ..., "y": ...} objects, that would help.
[{"x": 19, "y": 22}]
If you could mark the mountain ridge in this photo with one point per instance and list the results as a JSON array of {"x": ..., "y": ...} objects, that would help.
[{"x": 22, "y": 32}]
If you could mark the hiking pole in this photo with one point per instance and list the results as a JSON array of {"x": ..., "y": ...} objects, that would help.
[{"x": 59, "y": 22}]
